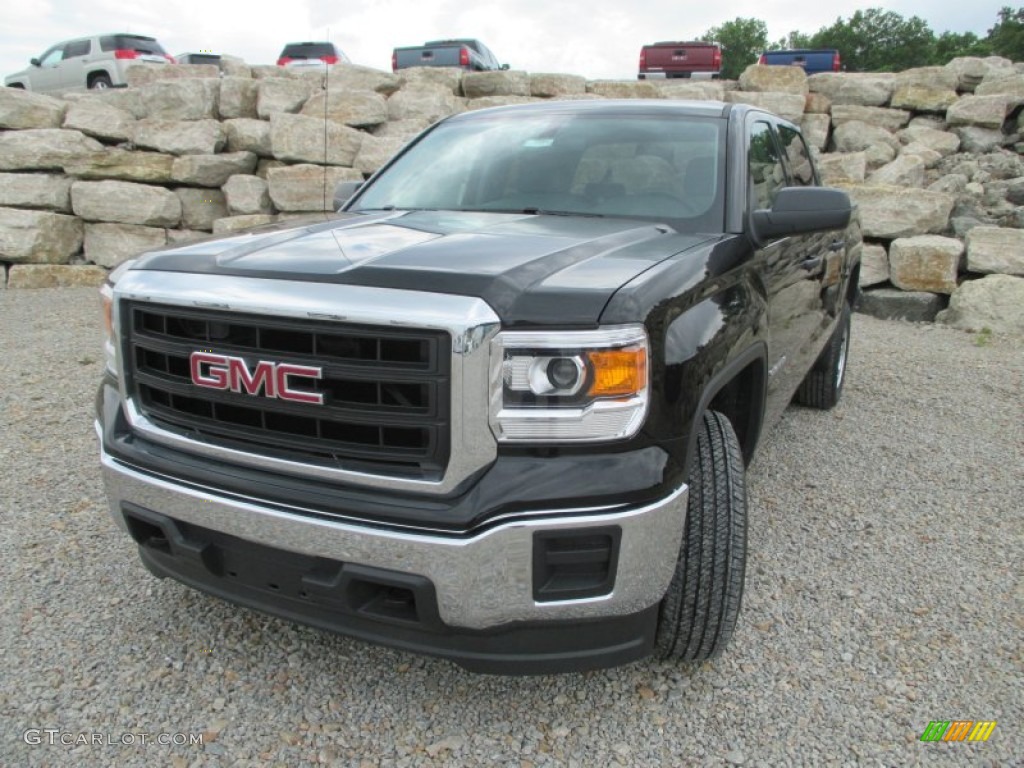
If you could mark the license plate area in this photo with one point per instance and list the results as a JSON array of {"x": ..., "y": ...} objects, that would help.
[{"x": 272, "y": 576}]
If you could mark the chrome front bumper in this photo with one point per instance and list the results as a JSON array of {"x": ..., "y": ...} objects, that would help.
[{"x": 481, "y": 581}]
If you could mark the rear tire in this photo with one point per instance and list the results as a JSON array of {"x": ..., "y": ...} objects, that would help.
[
  {"x": 823, "y": 385},
  {"x": 100, "y": 82},
  {"x": 699, "y": 611}
]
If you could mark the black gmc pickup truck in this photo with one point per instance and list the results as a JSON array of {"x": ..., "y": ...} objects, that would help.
[{"x": 499, "y": 408}]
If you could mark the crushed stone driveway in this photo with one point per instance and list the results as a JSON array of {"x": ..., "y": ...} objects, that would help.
[{"x": 884, "y": 592}]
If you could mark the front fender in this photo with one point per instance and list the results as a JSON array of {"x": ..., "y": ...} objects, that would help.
[{"x": 706, "y": 314}]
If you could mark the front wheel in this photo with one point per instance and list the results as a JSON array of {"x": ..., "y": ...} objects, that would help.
[
  {"x": 699, "y": 611},
  {"x": 823, "y": 385}
]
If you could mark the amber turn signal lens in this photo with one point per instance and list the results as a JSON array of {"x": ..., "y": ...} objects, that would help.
[
  {"x": 108, "y": 312},
  {"x": 618, "y": 372}
]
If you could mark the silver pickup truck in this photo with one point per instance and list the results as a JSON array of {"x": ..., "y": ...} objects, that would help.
[{"x": 471, "y": 55}]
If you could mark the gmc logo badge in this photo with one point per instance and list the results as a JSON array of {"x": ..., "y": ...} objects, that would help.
[{"x": 224, "y": 372}]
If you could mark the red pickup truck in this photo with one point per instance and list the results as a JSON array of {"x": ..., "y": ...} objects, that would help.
[{"x": 675, "y": 59}]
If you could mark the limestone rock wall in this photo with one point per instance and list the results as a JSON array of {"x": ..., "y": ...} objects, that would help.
[{"x": 932, "y": 156}]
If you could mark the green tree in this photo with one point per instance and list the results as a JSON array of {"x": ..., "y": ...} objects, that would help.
[
  {"x": 795, "y": 40},
  {"x": 742, "y": 41},
  {"x": 1006, "y": 38},
  {"x": 950, "y": 45},
  {"x": 876, "y": 40}
]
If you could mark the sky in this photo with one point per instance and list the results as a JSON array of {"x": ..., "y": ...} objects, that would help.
[{"x": 594, "y": 38}]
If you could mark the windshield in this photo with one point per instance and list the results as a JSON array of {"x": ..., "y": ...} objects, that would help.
[
  {"x": 634, "y": 166},
  {"x": 308, "y": 50},
  {"x": 201, "y": 58}
]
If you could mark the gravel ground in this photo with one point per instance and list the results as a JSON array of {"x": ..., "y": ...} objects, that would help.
[{"x": 884, "y": 591}]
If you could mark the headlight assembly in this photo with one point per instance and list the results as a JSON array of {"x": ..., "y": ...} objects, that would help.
[{"x": 569, "y": 385}]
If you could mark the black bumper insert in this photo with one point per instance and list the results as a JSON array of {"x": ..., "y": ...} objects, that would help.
[{"x": 374, "y": 604}]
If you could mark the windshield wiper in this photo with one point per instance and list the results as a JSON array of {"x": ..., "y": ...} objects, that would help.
[
  {"x": 527, "y": 211},
  {"x": 537, "y": 212},
  {"x": 391, "y": 208},
  {"x": 547, "y": 212}
]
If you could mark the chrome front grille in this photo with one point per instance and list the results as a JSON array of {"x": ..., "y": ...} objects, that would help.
[
  {"x": 392, "y": 364},
  {"x": 385, "y": 391}
]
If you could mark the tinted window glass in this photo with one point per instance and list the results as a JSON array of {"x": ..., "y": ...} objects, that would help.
[
  {"x": 637, "y": 167},
  {"x": 767, "y": 175},
  {"x": 52, "y": 57},
  {"x": 130, "y": 43},
  {"x": 489, "y": 58},
  {"x": 308, "y": 50},
  {"x": 77, "y": 48},
  {"x": 798, "y": 159},
  {"x": 202, "y": 58}
]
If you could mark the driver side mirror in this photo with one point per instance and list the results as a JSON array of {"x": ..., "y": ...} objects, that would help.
[
  {"x": 343, "y": 192},
  {"x": 504, "y": 67},
  {"x": 801, "y": 210},
  {"x": 34, "y": 62}
]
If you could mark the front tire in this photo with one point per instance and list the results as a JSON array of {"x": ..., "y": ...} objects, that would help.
[
  {"x": 699, "y": 611},
  {"x": 823, "y": 385}
]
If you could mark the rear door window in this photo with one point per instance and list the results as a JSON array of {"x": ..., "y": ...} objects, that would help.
[{"x": 77, "y": 48}]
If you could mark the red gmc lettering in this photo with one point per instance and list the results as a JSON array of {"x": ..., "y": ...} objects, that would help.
[
  {"x": 226, "y": 372},
  {"x": 215, "y": 378},
  {"x": 284, "y": 370},
  {"x": 239, "y": 378}
]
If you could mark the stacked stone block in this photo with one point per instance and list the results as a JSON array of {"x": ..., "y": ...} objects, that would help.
[{"x": 931, "y": 156}]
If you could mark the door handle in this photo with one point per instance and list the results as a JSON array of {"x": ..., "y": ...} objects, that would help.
[
  {"x": 837, "y": 245},
  {"x": 811, "y": 265}
]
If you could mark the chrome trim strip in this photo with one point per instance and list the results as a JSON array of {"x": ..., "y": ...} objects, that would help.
[
  {"x": 470, "y": 322},
  {"x": 610, "y": 336},
  {"x": 481, "y": 581}
]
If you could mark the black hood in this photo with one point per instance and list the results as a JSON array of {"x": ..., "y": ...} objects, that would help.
[{"x": 531, "y": 269}]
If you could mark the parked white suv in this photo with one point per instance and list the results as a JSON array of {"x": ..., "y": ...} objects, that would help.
[{"x": 88, "y": 62}]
